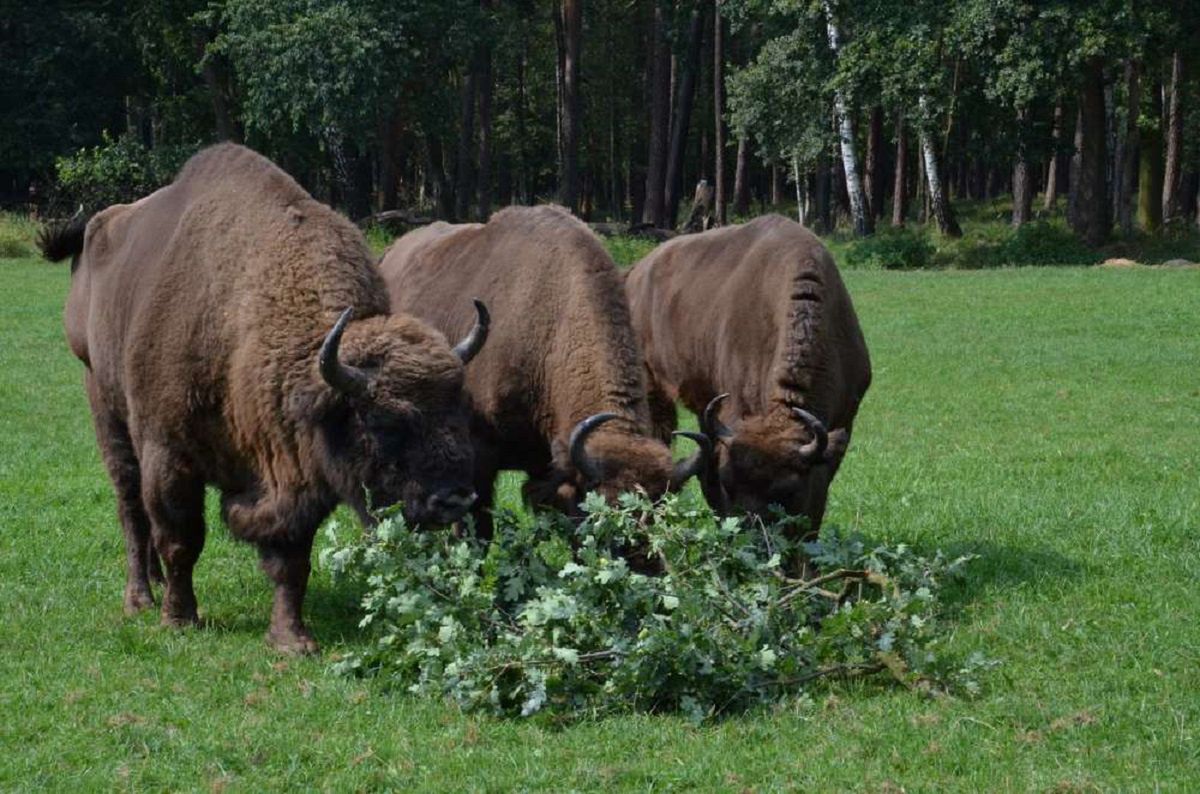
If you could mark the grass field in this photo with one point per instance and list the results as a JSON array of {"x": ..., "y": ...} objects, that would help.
[{"x": 1046, "y": 420}]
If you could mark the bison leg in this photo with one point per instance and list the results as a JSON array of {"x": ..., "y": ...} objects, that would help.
[
  {"x": 288, "y": 566},
  {"x": 174, "y": 498},
  {"x": 485, "y": 490},
  {"x": 116, "y": 449}
]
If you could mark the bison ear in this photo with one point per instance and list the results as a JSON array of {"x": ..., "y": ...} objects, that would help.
[{"x": 839, "y": 440}]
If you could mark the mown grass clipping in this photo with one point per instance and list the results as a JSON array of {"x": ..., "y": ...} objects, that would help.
[{"x": 551, "y": 616}]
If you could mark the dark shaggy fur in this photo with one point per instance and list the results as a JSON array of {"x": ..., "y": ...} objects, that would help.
[
  {"x": 199, "y": 312},
  {"x": 757, "y": 311}
]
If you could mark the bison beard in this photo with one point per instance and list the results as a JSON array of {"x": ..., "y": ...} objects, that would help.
[
  {"x": 560, "y": 391},
  {"x": 236, "y": 332},
  {"x": 753, "y": 321}
]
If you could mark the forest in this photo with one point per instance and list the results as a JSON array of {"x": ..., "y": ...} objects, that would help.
[{"x": 855, "y": 115}]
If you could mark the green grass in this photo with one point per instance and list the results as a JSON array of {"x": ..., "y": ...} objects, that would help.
[{"x": 1044, "y": 419}]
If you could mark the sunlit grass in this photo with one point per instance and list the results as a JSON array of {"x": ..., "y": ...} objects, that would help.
[{"x": 1043, "y": 419}]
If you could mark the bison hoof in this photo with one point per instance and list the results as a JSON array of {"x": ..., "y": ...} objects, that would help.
[
  {"x": 291, "y": 642},
  {"x": 181, "y": 619},
  {"x": 137, "y": 601}
]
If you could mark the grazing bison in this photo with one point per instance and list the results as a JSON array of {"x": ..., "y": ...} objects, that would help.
[
  {"x": 560, "y": 391},
  {"x": 236, "y": 332},
  {"x": 753, "y": 323}
]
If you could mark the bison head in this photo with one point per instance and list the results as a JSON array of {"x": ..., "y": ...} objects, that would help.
[
  {"x": 785, "y": 457},
  {"x": 610, "y": 461},
  {"x": 396, "y": 425}
]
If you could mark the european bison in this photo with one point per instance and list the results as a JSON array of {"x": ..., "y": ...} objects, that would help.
[
  {"x": 236, "y": 332},
  {"x": 753, "y": 323},
  {"x": 560, "y": 391}
]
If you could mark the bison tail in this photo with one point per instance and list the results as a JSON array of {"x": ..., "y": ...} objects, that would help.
[{"x": 60, "y": 240}]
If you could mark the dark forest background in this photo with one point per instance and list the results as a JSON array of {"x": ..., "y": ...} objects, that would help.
[{"x": 857, "y": 114}]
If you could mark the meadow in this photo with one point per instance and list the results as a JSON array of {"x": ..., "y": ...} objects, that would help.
[{"x": 1043, "y": 419}]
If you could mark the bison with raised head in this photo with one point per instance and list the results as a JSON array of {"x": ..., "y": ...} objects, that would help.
[
  {"x": 751, "y": 328},
  {"x": 236, "y": 332},
  {"x": 560, "y": 391}
]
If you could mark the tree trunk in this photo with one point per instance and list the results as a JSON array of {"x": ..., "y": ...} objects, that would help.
[
  {"x": 435, "y": 155},
  {"x": 900, "y": 188},
  {"x": 560, "y": 48},
  {"x": 801, "y": 207},
  {"x": 683, "y": 115},
  {"x": 1022, "y": 178},
  {"x": 873, "y": 178},
  {"x": 741, "y": 182},
  {"x": 718, "y": 76},
  {"x": 485, "y": 122},
  {"x": 522, "y": 113},
  {"x": 864, "y": 224},
  {"x": 1074, "y": 169},
  {"x": 572, "y": 27},
  {"x": 1150, "y": 171},
  {"x": 824, "y": 198},
  {"x": 776, "y": 188},
  {"x": 939, "y": 206},
  {"x": 1051, "y": 195},
  {"x": 1092, "y": 221},
  {"x": 227, "y": 128},
  {"x": 1171, "y": 203},
  {"x": 463, "y": 191},
  {"x": 389, "y": 159},
  {"x": 660, "y": 99},
  {"x": 1127, "y": 177}
]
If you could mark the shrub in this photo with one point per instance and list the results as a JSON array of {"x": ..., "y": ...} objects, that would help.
[
  {"x": 16, "y": 236},
  {"x": 118, "y": 171},
  {"x": 893, "y": 249},
  {"x": 1045, "y": 243},
  {"x": 627, "y": 250},
  {"x": 550, "y": 616},
  {"x": 12, "y": 247}
]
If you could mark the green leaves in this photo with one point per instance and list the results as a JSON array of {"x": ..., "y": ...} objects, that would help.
[{"x": 554, "y": 616}]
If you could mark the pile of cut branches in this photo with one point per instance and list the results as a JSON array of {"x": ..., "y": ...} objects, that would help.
[{"x": 550, "y": 615}]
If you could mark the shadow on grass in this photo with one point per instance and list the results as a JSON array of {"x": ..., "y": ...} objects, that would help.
[{"x": 1001, "y": 567}]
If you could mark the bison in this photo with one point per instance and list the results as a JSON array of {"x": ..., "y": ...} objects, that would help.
[
  {"x": 560, "y": 392},
  {"x": 751, "y": 328},
  {"x": 235, "y": 331}
]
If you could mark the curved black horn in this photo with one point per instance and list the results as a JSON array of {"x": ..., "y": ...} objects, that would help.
[
  {"x": 347, "y": 380},
  {"x": 815, "y": 449},
  {"x": 710, "y": 424},
  {"x": 579, "y": 457},
  {"x": 694, "y": 465},
  {"x": 470, "y": 345}
]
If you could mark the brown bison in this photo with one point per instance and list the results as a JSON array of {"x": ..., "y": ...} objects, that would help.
[
  {"x": 236, "y": 332},
  {"x": 560, "y": 391},
  {"x": 753, "y": 324}
]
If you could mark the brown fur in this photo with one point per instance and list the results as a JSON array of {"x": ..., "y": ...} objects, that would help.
[
  {"x": 199, "y": 312},
  {"x": 758, "y": 311},
  {"x": 561, "y": 348}
]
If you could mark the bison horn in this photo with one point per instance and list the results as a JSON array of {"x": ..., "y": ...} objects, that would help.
[
  {"x": 342, "y": 378},
  {"x": 815, "y": 449},
  {"x": 470, "y": 346},
  {"x": 579, "y": 457},
  {"x": 712, "y": 426},
  {"x": 692, "y": 466}
]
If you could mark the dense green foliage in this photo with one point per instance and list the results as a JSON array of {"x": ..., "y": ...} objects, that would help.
[
  {"x": 1042, "y": 419},
  {"x": 554, "y": 616},
  {"x": 455, "y": 108},
  {"x": 118, "y": 171}
]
